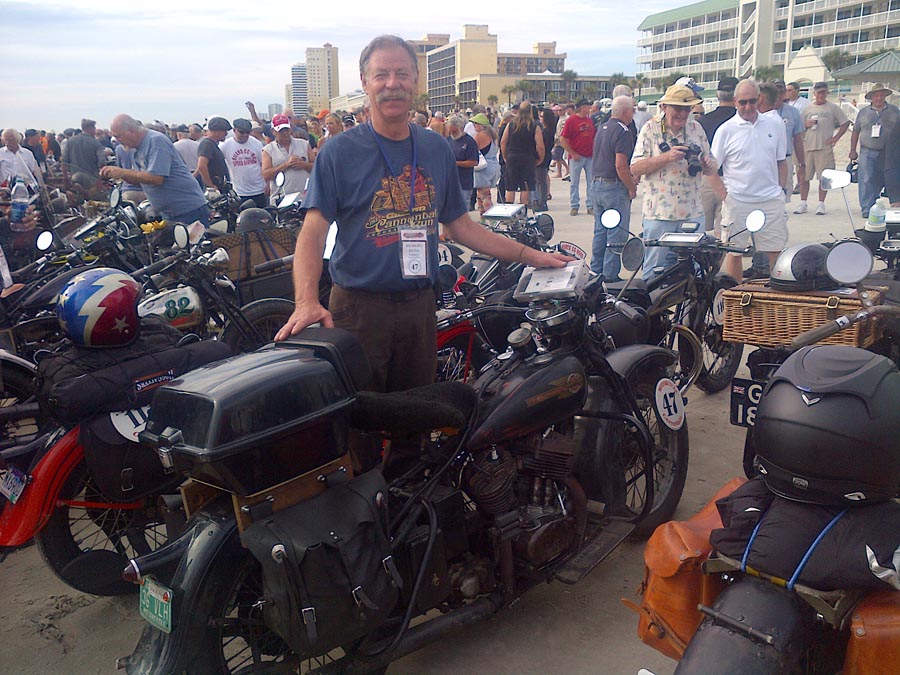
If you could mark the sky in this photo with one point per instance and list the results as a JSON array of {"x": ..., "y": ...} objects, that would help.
[{"x": 179, "y": 61}]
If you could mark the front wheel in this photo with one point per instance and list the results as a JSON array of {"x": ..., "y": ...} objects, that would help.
[
  {"x": 460, "y": 358},
  {"x": 721, "y": 359},
  {"x": 88, "y": 540},
  {"x": 259, "y": 323}
]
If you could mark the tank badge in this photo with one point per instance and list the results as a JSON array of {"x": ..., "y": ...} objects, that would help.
[{"x": 561, "y": 389}]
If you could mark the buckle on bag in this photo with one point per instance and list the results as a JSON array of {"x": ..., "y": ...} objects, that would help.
[{"x": 309, "y": 615}]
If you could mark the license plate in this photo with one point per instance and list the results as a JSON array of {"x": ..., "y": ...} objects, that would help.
[
  {"x": 13, "y": 484},
  {"x": 156, "y": 604},
  {"x": 745, "y": 395}
]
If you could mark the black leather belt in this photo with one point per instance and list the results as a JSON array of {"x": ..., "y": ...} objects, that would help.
[{"x": 602, "y": 179}]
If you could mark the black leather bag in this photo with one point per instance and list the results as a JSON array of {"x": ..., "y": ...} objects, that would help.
[{"x": 328, "y": 575}]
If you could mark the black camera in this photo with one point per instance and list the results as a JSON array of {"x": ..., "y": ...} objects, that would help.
[{"x": 692, "y": 154}]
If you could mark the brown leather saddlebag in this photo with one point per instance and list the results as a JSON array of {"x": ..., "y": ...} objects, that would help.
[
  {"x": 874, "y": 646},
  {"x": 673, "y": 583}
]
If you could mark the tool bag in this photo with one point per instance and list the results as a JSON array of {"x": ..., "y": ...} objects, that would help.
[
  {"x": 328, "y": 575},
  {"x": 674, "y": 583}
]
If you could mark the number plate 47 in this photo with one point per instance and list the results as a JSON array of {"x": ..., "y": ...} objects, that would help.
[{"x": 669, "y": 404}]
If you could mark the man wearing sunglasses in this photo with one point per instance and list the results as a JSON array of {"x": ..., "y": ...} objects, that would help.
[
  {"x": 243, "y": 156},
  {"x": 752, "y": 148}
]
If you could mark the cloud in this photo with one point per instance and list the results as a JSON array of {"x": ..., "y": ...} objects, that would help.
[{"x": 177, "y": 61}]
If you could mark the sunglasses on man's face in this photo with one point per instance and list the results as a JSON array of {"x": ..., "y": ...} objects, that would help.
[{"x": 747, "y": 101}]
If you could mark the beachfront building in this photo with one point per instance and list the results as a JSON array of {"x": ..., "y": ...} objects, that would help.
[{"x": 714, "y": 38}]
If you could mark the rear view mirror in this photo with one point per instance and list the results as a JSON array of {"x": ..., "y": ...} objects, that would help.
[
  {"x": 279, "y": 179},
  {"x": 182, "y": 238},
  {"x": 849, "y": 262},
  {"x": 44, "y": 240},
  {"x": 755, "y": 220},
  {"x": 633, "y": 254},
  {"x": 544, "y": 223},
  {"x": 610, "y": 219},
  {"x": 114, "y": 197},
  {"x": 832, "y": 179}
]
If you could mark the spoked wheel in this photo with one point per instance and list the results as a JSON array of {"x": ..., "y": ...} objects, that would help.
[
  {"x": 88, "y": 540},
  {"x": 627, "y": 483},
  {"x": 460, "y": 359},
  {"x": 721, "y": 359},
  {"x": 264, "y": 318},
  {"x": 17, "y": 386},
  {"x": 236, "y": 640}
]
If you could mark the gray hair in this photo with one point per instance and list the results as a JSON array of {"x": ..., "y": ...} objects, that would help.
[
  {"x": 386, "y": 42},
  {"x": 620, "y": 105},
  {"x": 770, "y": 92},
  {"x": 457, "y": 120},
  {"x": 725, "y": 96},
  {"x": 749, "y": 82},
  {"x": 126, "y": 123},
  {"x": 621, "y": 90}
]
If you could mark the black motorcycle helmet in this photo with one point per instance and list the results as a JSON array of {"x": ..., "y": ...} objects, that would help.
[
  {"x": 827, "y": 428},
  {"x": 251, "y": 220},
  {"x": 801, "y": 267}
]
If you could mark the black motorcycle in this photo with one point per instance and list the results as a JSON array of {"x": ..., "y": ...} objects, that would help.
[{"x": 478, "y": 493}]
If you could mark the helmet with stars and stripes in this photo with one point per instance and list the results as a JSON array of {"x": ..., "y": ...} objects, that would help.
[{"x": 98, "y": 308}]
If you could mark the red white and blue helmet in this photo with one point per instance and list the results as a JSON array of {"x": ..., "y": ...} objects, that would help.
[{"x": 98, "y": 308}]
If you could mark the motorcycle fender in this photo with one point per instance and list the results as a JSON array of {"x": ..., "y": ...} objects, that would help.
[
  {"x": 7, "y": 358},
  {"x": 19, "y": 522},
  {"x": 444, "y": 336},
  {"x": 211, "y": 533},
  {"x": 627, "y": 360}
]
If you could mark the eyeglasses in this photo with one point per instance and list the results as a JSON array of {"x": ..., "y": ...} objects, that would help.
[{"x": 748, "y": 101}]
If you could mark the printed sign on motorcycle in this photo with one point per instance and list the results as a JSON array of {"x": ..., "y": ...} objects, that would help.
[{"x": 669, "y": 404}]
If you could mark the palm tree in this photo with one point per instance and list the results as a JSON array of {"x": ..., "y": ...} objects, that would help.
[
  {"x": 568, "y": 77},
  {"x": 639, "y": 81},
  {"x": 667, "y": 82},
  {"x": 420, "y": 102},
  {"x": 590, "y": 91},
  {"x": 768, "y": 73},
  {"x": 509, "y": 90},
  {"x": 837, "y": 59},
  {"x": 493, "y": 100},
  {"x": 618, "y": 78},
  {"x": 526, "y": 87}
]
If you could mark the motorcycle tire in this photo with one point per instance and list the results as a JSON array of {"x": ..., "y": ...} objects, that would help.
[
  {"x": 18, "y": 386},
  {"x": 228, "y": 629},
  {"x": 627, "y": 479},
  {"x": 267, "y": 316},
  {"x": 721, "y": 359},
  {"x": 88, "y": 540},
  {"x": 461, "y": 358}
]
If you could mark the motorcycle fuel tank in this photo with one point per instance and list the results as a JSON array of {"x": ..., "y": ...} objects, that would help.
[
  {"x": 179, "y": 307},
  {"x": 530, "y": 396}
]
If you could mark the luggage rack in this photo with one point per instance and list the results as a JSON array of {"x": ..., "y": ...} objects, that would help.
[{"x": 834, "y": 607}]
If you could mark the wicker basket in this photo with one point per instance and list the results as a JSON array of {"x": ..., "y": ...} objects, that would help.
[{"x": 758, "y": 315}]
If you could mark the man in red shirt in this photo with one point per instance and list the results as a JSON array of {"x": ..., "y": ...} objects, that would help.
[{"x": 577, "y": 139}]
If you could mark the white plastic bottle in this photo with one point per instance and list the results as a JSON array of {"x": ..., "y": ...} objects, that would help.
[
  {"x": 19, "y": 198},
  {"x": 875, "y": 223}
]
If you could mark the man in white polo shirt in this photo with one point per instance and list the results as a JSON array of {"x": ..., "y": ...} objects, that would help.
[{"x": 751, "y": 149}]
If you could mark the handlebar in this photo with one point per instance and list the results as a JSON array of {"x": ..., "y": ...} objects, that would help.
[
  {"x": 159, "y": 265},
  {"x": 478, "y": 311},
  {"x": 711, "y": 245},
  {"x": 278, "y": 263},
  {"x": 826, "y": 330},
  {"x": 627, "y": 311}
]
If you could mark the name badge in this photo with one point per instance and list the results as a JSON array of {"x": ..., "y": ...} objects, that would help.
[
  {"x": 876, "y": 130},
  {"x": 414, "y": 254}
]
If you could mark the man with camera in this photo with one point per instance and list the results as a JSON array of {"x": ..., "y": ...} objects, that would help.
[
  {"x": 752, "y": 149},
  {"x": 672, "y": 154}
]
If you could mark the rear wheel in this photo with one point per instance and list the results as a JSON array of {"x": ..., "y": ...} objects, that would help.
[
  {"x": 17, "y": 386},
  {"x": 88, "y": 540},
  {"x": 263, "y": 318},
  {"x": 721, "y": 359}
]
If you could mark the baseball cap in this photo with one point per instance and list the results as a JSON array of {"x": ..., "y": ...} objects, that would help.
[
  {"x": 241, "y": 124},
  {"x": 642, "y": 105},
  {"x": 218, "y": 124},
  {"x": 727, "y": 84},
  {"x": 820, "y": 85},
  {"x": 348, "y": 119},
  {"x": 280, "y": 122},
  {"x": 183, "y": 128},
  {"x": 582, "y": 102},
  {"x": 689, "y": 83},
  {"x": 30, "y": 132},
  {"x": 323, "y": 113}
]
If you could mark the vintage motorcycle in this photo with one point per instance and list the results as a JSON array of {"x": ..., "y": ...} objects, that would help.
[
  {"x": 794, "y": 574},
  {"x": 480, "y": 492}
]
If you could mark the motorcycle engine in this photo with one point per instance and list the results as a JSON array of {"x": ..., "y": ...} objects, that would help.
[{"x": 533, "y": 478}]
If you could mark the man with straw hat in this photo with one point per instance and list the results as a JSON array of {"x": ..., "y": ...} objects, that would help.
[
  {"x": 873, "y": 125},
  {"x": 671, "y": 154}
]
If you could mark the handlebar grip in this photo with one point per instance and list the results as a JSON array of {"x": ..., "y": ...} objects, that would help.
[
  {"x": 628, "y": 311},
  {"x": 278, "y": 263},
  {"x": 155, "y": 267},
  {"x": 813, "y": 335}
]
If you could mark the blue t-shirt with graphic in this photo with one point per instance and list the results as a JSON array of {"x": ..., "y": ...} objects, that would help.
[{"x": 363, "y": 184}]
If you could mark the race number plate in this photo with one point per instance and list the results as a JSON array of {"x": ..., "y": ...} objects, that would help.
[
  {"x": 13, "y": 484},
  {"x": 745, "y": 395},
  {"x": 131, "y": 422},
  {"x": 445, "y": 256},
  {"x": 156, "y": 604}
]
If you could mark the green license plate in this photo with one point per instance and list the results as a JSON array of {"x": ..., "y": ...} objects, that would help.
[{"x": 156, "y": 604}]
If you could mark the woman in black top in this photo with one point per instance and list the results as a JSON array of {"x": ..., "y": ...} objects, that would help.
[
  {"x": 522, "y": 147},
  {"x": 542, "y": 178}
]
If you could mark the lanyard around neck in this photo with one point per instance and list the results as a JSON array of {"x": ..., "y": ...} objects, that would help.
[{"x": 387, "y": 161}]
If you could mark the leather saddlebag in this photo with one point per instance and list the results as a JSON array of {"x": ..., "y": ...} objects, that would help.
[
  {"x": 673, "y": 583},
  {"x": 328, "y": 575},
  {"x": 874, "y": 645}
]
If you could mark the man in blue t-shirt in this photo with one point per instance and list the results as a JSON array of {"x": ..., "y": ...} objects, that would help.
[
  {"x": 387, "y": 184},
  {"x": 160, "y": 172}
]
